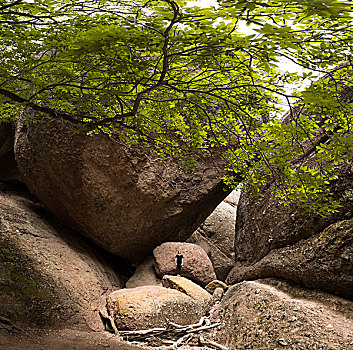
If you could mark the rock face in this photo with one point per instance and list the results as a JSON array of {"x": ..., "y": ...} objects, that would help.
[
  {"x": 264, "y": 226},
  {"x": 145, "y": 275},
  {"x": 8, "y": 166},
  {"x": 196, "y": 264},
  {"x": 323, "y": 261},
  {"x": 123, "y": 198},
  {"x": 216, "y": 236},
  {"x": 49, "y": 276},
  {"x": 218, "y": 228},
  {"x": 151, "y": 306},
  {"x": 269, "y": 314}
]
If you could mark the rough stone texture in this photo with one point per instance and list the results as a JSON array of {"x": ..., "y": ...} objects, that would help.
[
  {"x": 145, "y": 275},
  {"x": 218, "y": 228},
  {"x": 271, "y": 314},
  {"x": 233, "y": 198},
  {"x": 218, "y": 294},
  {"x": 263, "y": 226},
  {"x": 123, "y": 198},
  {"x": 216, "y": 236},
  {"x": 222, "y": 264},
  {"x": 216, "y": 284},
  {"x": 323, "y": 261},
  {"x": 8, "y": 165},
  {"x": 196, "y": 264},
  {"x": 189, "y": 288},
  {"x": 49, "y": 276},
  {"x": 151, "y": 306}
]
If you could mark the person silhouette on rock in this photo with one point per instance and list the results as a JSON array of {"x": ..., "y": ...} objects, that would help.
[{"x": 179, "y": 262}]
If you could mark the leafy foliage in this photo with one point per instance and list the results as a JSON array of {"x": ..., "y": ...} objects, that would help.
[{"x": 185, "y": 80}]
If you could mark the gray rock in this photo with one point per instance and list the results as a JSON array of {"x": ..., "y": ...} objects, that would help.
[
  {"x": 222, "y": 263},
  {"x": 267, "y": 225},
  {"x": 218, "y": 228},
  {"x": 49, "y": 276},
  {"x": 323, "y": 261},
  {"x": 216, "y": 236},
  {"x": 123, "y": 198},
  {"x": 233, "y": 198},
  {"x": 196, "y": 264}
]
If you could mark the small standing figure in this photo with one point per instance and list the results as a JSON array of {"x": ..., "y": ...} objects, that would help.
[{"x": 179, "y": 262}]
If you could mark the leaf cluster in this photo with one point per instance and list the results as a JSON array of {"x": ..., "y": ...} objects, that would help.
[{"x": 186, "y": 80}]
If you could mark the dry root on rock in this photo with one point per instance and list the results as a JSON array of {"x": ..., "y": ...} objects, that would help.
[{"x": 174, "y": 335}]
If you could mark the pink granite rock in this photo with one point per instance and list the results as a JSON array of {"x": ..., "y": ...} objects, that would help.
[{"x": 196, "y": 265}]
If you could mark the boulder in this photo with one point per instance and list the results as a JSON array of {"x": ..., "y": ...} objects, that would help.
[
  {"x": 222, "y": 263},
  {"x": 145, "y": 275},
  {"x": 196, "y": 264},
  {"x": 49, "y": 276},
  {"x": 189, "y": 288},
  {"x": 124, "y": 198},
  {"x": 323, "y": 261},
  {"x": 270, "y": 314},
  {"x": 267, "y": 225},
  {"x": 152, "y": 306},
  {"x": 216, "y": 236},
  {"x": 8, "y": 165}
]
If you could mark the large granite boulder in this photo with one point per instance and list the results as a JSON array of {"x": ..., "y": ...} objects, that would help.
[
  {"x": 323, "y": 261},
  {"x": 152, "y": 306},
  {"x": 123, "y": 198},
  {"x": 216, "y": 235},
  {"x": 196, "y": 265},
  {"x": 270, "y": 314},
  {"x": 8, "y": 165},
  {"x": 50, "y": 277},
  {"x": 267, "y": 225},
  {"x": 221, "y": 262}
]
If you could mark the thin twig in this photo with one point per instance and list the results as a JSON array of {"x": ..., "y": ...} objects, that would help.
[{"x": 206, "y": 342}]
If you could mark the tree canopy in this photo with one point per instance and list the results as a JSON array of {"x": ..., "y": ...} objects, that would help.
[{"x": 186, "y": 80}]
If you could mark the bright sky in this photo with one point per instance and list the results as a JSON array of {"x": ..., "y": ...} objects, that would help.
[{"x": 284, "y": 64}]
